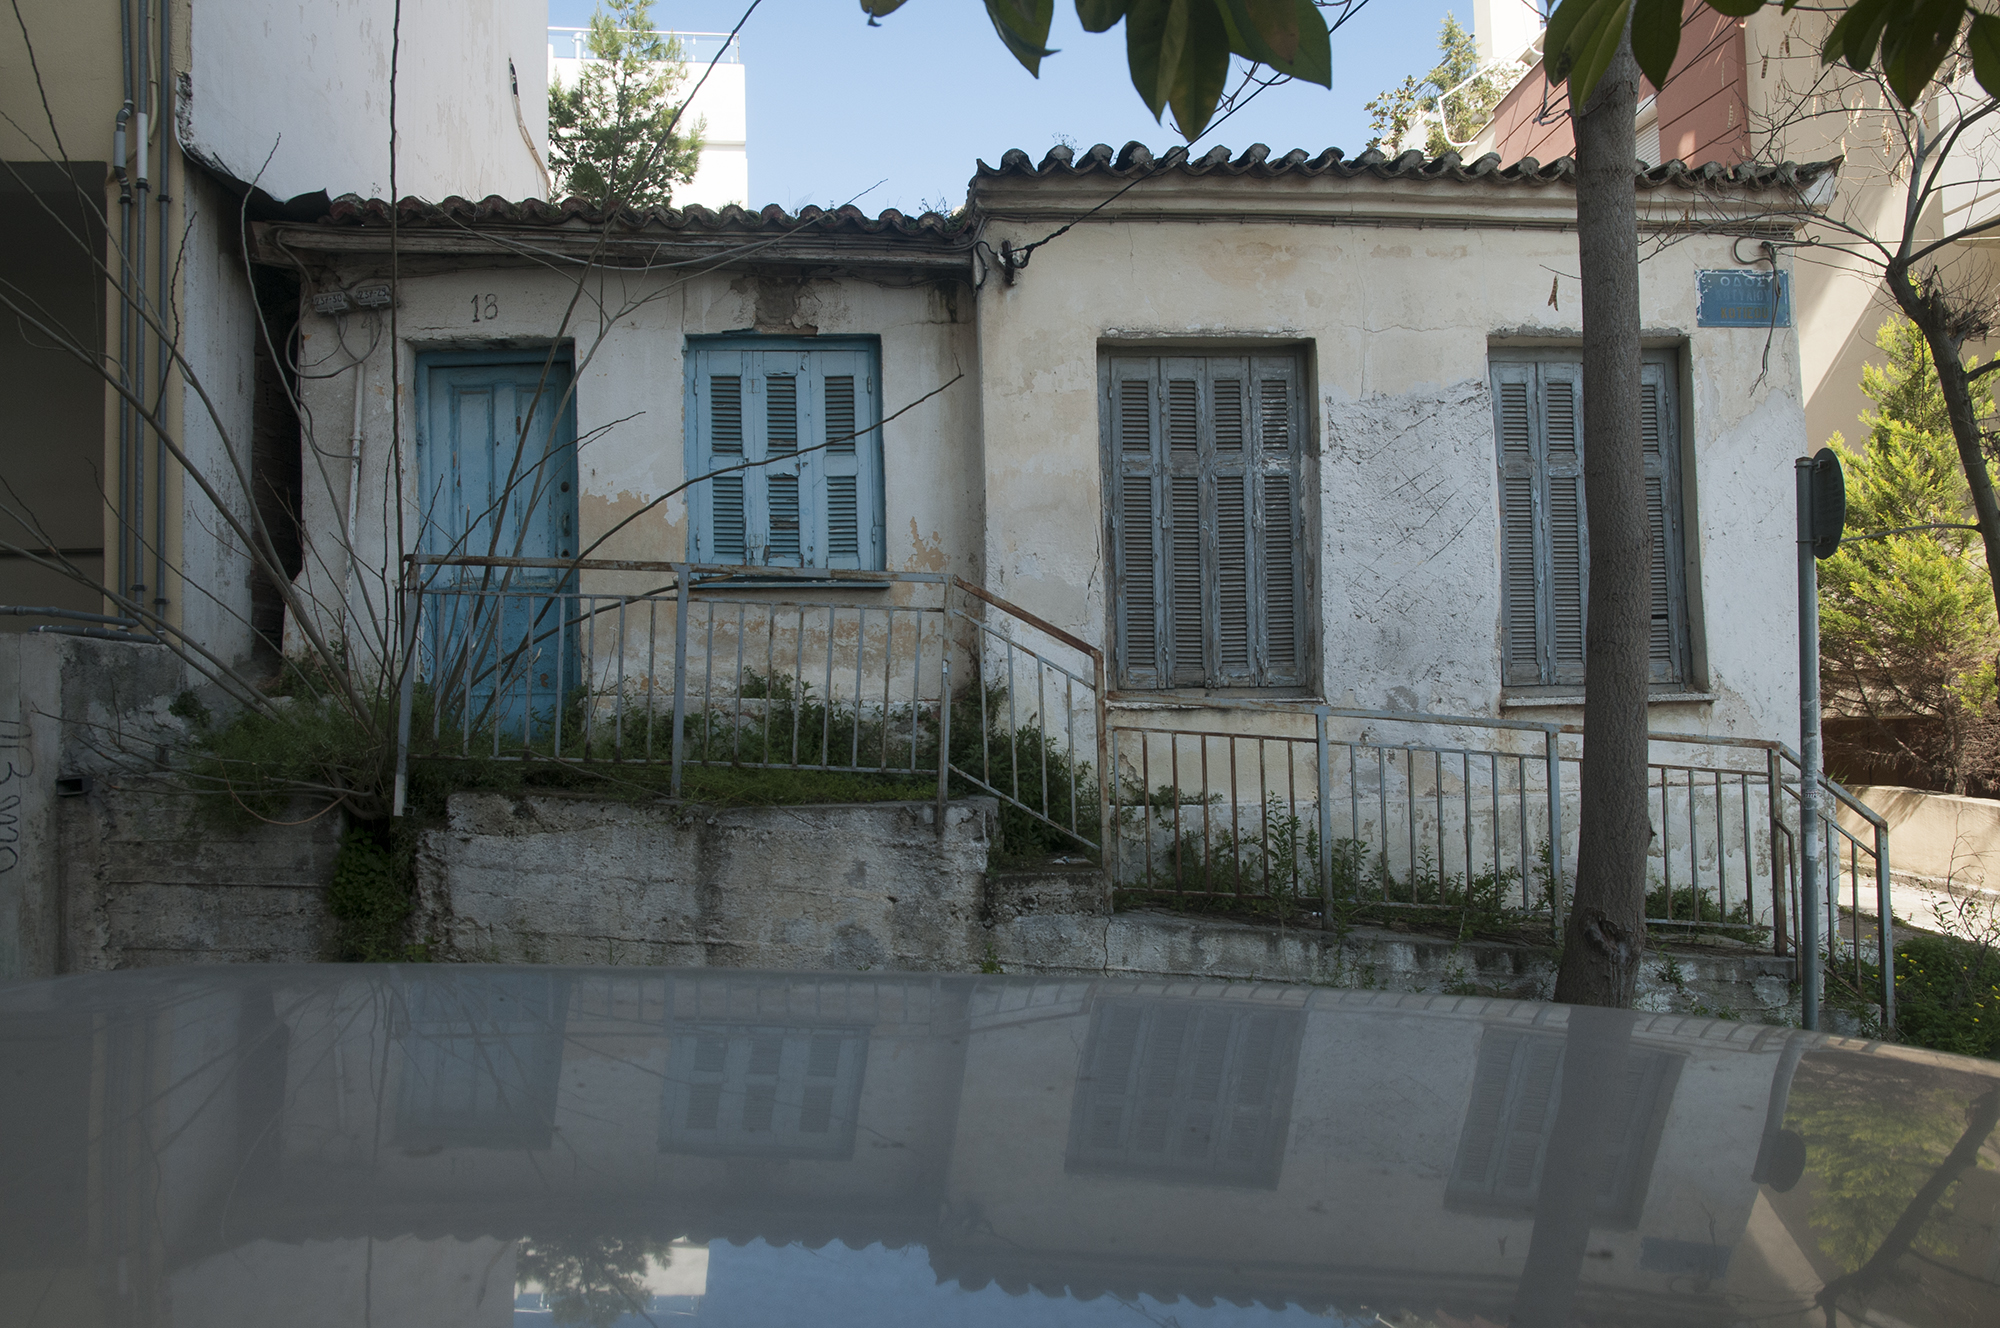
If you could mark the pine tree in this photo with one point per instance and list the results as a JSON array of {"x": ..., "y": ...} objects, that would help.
[
  {"x": 1421, "y": 103},
  {"x": 1907, "y": 624},
  {"x": 613, "y": 137}
]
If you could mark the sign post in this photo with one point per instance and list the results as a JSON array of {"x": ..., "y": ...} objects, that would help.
[{"x": 1822, "y": 512}]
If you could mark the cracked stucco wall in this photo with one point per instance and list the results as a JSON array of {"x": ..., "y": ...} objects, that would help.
[{"x": 1394, "y": 323}]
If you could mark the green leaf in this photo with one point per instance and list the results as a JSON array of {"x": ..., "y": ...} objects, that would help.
[
  {"x": 1916, "y": 44},
  {"x": 1855, "y": 35},
  {"x": 1287, "y": 35},
  {"x": 1203, "y": 69},
  {"x": 1024, "y": 26},
  {"x": 1596, "y": 57},
  {"x": 1096, "y": 15},
  {"x": 1572, "y": 28},
  {"x": 1984, "y": 42},
  {"x": 880, "y": 8},
  {"x": 1155, "y": 30},
  {"x": 1656, "y": 38},
  {"x": 1739, "y": 8}
]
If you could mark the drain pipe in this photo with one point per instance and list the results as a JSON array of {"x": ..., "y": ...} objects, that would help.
[
  {"x": 143, "y": 186},
  {"x": 119, "y": 150},
  {"x": 162, "y": 113},
  {"x": 353, "y": 492}
]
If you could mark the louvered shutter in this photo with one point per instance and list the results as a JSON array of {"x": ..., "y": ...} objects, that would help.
[
  {"x": 806, "y": 414},
  {"x": 1279, "y": 466},
  {"x": 1207, "y": 477},
  {"x": 1136, "y": 524},
  {"x": 1659, "y": 438},
  {"x": 1568, "y": 540},
  {"x": 1514, "y": 411}
]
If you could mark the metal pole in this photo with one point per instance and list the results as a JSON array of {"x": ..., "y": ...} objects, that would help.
[
  {"x": 1809, "y": 753},
  {"x": 1552, "y": 754},
  {"x": 1325, "y": 820},
  {"x": 1886, "y": 924},
  {"x": 682, "y": 575},
  {"x": 944, "y": 728}
]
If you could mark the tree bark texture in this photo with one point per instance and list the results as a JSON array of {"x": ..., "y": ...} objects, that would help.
[{"x": 1605, "y": 932}]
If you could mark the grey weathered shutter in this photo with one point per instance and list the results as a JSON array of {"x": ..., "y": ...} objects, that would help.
[
  {"x": 1520, "y": 587},
  {"x": 1568, "y": 533},
  {"x": 1206, "y": 448},
  {"x": 1280, "y": 468},
  {"x": 1185, "y": 564},
  {"x": 1229, "y": 473},
  {"x": 1657, "y": 436},
  {"x": 1135, "y": 524}
]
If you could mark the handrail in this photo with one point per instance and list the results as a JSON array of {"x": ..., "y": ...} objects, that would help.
[{"x": 1038, "y": 623}]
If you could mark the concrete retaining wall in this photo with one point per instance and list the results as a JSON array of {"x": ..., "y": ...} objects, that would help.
[
  {"x": 1154, "y": 943},
  {"x": 565, "y": 881},
  {"x": 1936, "y": 836}
]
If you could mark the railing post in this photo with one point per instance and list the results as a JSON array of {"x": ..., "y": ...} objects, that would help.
[
  {"x": 1105, "y": 775},
  {"x": 1326, "y": 821},
  {"x": 944, "y": 726},
  {"x": 409, "y": 603},
  {"x": 681, "y": 578},
  {"x": 1552, "y": 755},
  {"x": 1886, "y": 925},
  {"x": 1810, "y": 883},
  {"x": 1780, "y": 883}
]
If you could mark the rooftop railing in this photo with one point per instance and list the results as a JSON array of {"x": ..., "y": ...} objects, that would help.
[{"x": 697, "y": 48}]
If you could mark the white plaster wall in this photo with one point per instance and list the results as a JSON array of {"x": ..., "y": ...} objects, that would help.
[
  {"x": 720, "y": 108},
  {"x": 630, "y": 401},
  {"x": 209, "y": 592},
  {"x": 1396, "y": 321},
  {"x": 306, "y": 86}
]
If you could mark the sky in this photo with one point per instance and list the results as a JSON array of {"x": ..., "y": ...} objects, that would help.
[{"x": 896, "y": 115}]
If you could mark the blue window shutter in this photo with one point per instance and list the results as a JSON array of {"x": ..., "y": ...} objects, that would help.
[{"x": 805, "y": 414}]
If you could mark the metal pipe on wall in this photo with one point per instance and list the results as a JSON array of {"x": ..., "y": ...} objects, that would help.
[
  {"x": 142, "y": 186},
  {"x": 119, "y": 154},
  {"x": 162, "y": 113}
]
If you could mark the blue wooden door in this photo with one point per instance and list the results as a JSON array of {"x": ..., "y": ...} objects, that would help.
[{"x": 497, "y": 441}]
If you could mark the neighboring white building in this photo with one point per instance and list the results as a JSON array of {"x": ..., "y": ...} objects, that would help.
[{"x": 717, "y": 108}]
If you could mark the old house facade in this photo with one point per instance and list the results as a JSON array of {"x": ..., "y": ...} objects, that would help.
[{"x": 1274, "y": 428}]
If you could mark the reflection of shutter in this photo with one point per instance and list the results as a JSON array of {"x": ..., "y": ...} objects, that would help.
[
  {"x": 1569, "y": 558},
  {"x": 1520, "y": 598},
  {"x": 1511, "y": 1118},
  {"x": 1663, "y": 650},
  {"x": 1194, "y": 1091}
]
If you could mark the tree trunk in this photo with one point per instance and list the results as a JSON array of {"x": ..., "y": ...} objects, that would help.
[{"x": 1605, "y": 933}]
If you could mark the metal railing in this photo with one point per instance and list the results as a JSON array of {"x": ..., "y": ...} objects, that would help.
[
  {"x": 1304, "y": 810},
  {"x": 696, "y": 47},
  {"x": 1273, "y": 806},
  {"x": 610, "y": 662}
]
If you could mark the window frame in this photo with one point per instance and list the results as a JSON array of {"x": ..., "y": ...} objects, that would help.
[
  {"x": 1675, "y": 648},
  {"x": 1253, "y": 674},
  {"x": 815, "y": 469}
]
